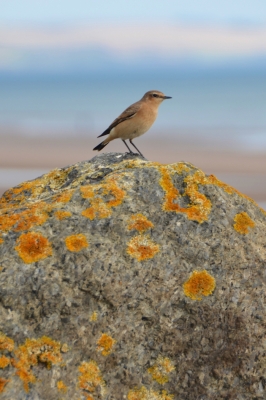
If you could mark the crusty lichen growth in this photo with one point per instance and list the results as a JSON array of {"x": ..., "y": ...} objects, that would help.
[
  {"x": 6, "y": 344},
  {"x": 76, "y": 243},
  {"x": 3, "y": 383},
  {"x": 161, "y": 369},
  {"x": 34, "y": 351},
  {"x": 200, "y": 283},
  {"x": 243, "y": 223},
  {"x": 61, "y": 386},
  {"x": 140, "y": 223},
  {"x": 90, "y": 377},
  {"x": 148, "y": 394},
  {"x": 62, "y": 214},
  {"x": 94, "y": 316},
  {"x": 105, "y": 344},
  {"x": 33, "y": 246},
  {"x": 97, "y": 194},
  {"x": 4, "y": 361},
  {"x": 1, "y": 240},
  {"x": 142, "y": 247}
]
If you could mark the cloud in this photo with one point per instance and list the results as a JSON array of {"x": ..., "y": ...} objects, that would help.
[{"x": 162, "y": 39}]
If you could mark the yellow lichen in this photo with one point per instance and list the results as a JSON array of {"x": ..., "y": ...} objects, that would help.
[
  {"x": 94, "y": 316},
  {"x": 3, "y": 383},
  {"x": 105, "y": 344},
  {"x": 61, "y": 386},
  {"x": 6, "y": 343},
  {"x": 76, "y": 242},
  {"x": 145, "y": 394},
  {"x": 161, "y": 369},
  {"x": 4, "y": 361},
  {"x": 62, "y": 214},
  {"x": 34, "y": 351},
  {"x": 64, "y": 348},
  {"x": 243, "y": 222},
  {"x": 90, "y": 377},
  {"x": 97, "y": 193},
  {"x": 140, "y": 223},
  {"x": 32, "y": 247},
  {"x": 200, "y": 283},
  {"x": 142, "y": 247}
]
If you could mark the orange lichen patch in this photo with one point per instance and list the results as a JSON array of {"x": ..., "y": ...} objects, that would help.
[
  {"x": 140, "y": 223},
  {"x": 142, "y": 247},
  {"x": 76, "y": 242},
  {"x": 200, "y": 207},
  {"x": 243, "y": 222},
  {"x": 62, "y": 214},
  {"x": 34, "y": 351},
  {"x": 33, "y": 246},
  {"x": 90, "y": 377},
  {"x": 1, "y": 240},
  {"x": 3, "y": 383},
  {"x": 24, "y": 220},
  {"x": 100, "y": 207},
  {"x": 61, "y": 386},
  {"x": 6, "y": 343},
  {"x": 94, "y": 316},
  {"x": 105, "y": 344},
  {"x": 145, "y": 394},
  {"x": 4, "y": 361},
  {"x": 89, "y": 398},
  {"x": 161, "y": 369},
  {"x": 200, "y": 283},
  {"x": 64, "y": 197}
]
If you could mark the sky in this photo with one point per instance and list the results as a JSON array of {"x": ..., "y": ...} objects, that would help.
[
  {"x": 71, "y": 11},
  {"x": 46, "y": 35}
]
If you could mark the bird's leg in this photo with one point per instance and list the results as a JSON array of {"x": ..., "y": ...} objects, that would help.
[
  {"x": 136, "y": 148},
  {"x": 130, "y": 151}
]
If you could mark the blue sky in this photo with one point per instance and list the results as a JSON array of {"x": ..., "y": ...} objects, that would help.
[
  {"x": 72, "y": 11},
  {"x": 50, "y": 35}
]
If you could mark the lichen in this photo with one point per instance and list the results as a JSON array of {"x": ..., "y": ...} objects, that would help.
[
  {"x": 140, "y": 223},
  {"x": 105, "y": 344},
  {"x": 94, "y": 316},
  {"x": 97, "y": 194},
  {"x": 63, "y": 197},
  {"x": 34, "y": 351},
  {"x": 148, "y": 394},
  {"x": 6, "y": 344},
  {"x": 62, "y": 214},
  {"x": 76, "y": 243},
  {"x": 1, "y": 240},
  {"x": 3, "y": 383},
  {"x": 33, "y": 246},
  {"x": 199, "y": 284},
  {"x": 142, "y": 247},
  {"x": 90, "y": 377},
  {"x": 161, "y": 369},
  {"x": 243, "y": 223},
  {"x": 61, "y": 386},
  {"x": 4, "y": 361}
]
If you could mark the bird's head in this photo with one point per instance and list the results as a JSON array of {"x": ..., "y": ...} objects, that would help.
[{"x": 155, "y": 97}]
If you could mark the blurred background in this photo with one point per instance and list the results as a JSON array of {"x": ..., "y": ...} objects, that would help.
[{"x": 69, "y": 67}]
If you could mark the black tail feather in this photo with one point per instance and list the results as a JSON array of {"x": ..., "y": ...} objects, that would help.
[
  {"x": 100, "y": 146},
  {"x": 106, "y": 132}
]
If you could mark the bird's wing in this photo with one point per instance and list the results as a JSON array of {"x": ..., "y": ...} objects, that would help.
[{"x": 130, "y": 112}]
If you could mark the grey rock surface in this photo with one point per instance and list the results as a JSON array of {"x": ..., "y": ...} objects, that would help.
[{"x": 126, "y": 279}]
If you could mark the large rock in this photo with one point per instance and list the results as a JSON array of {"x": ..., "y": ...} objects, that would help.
[{"x": 127, "y": 279}]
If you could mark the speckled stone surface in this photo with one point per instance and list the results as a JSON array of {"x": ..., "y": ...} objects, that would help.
[{"x": 122, "y": 278}]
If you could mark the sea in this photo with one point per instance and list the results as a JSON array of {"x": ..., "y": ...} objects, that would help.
[{"x": 233, "y": 102}]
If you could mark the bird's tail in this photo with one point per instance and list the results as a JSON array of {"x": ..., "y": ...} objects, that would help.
[{"x": 101, "y": 145}]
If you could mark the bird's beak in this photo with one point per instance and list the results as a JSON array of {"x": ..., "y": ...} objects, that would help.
[{"x": 167, "y": 97}]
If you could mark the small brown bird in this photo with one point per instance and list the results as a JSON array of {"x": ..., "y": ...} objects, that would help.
[{"x": 135, "y": 120}]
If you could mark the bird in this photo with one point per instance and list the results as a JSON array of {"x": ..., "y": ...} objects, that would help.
[{"x": 134, "y": 121}]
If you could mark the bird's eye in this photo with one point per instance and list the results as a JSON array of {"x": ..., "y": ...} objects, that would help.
[{"x": 155, "y": 95}]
